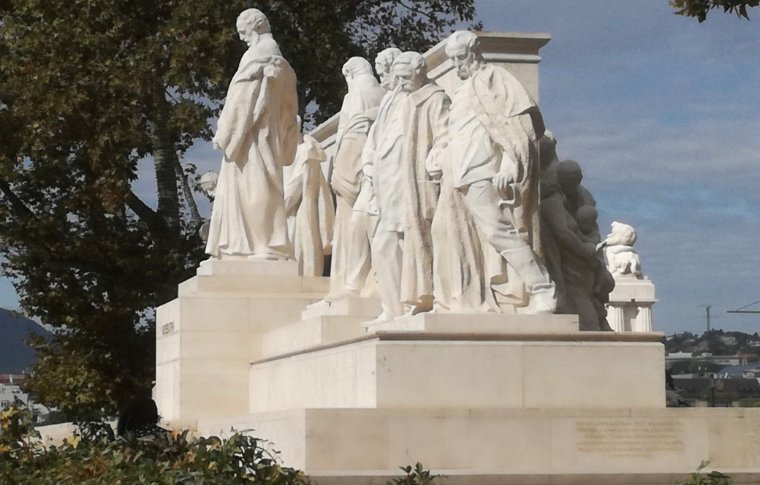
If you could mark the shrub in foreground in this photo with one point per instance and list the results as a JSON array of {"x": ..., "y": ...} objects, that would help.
[{"x": 94, "y": 456}]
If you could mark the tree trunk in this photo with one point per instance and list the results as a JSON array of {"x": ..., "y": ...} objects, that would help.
[
  {"x": 165, "y": 160},
  {"x": 187, "y": 194}
]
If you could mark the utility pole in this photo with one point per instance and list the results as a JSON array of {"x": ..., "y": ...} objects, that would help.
[{"x": 707, "y": 315}]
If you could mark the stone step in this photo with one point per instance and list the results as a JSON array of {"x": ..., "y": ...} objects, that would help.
[
  {"x": 355, "y": 306},
  {"x": 479, "y": 323},
  {"x": 568, "y": 446},
  {"x": 416, "y": 370},
  {"x": 293, "y": 286},
  {"x": 247, "y": 267},
  {"x": 310, "y": 333}
]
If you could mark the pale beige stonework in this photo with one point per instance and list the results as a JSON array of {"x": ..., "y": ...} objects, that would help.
[
  {"x": 464, "y": 370},
  {"x": 492, "y": 446},
  {"x": 206, "y": 337},
  {"x": 490, "y": 398},
  {"x": 479, "y": 323},
  {"x": 484, "y": 398}
]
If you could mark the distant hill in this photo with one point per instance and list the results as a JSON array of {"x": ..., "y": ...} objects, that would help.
[
  {"x": 15, "y": 355},
  {"x": 715, "y": 342}
]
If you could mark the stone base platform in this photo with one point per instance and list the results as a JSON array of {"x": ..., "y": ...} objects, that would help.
[
  {"x": 207, "y": 336},
  {"x": 486, "y": 364},
  {"x": 510, "y": 446}
]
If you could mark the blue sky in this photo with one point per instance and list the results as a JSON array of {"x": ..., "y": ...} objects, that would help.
[{"x": 663, "y": 113}]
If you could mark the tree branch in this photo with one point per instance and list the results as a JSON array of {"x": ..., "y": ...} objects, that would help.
[
  {"x": 414, "y": 10},
  {"x": 145, "y": 213},
  {"x": 16, "y": 203}
]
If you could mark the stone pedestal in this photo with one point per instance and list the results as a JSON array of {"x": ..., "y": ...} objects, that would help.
[
  {"x": 206, "y": 338},
  {"x": 630, "y": 306},
  {"x": 462, "y": 362},
  {"x": 567, "y": 446},
  {"x": 486, "y": 398}
]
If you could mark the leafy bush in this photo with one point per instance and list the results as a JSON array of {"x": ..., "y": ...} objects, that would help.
[
  {"x": 712, "y": 478},
  {"x": 94, "y": 456},
  {"x": 416, "y": 475}
]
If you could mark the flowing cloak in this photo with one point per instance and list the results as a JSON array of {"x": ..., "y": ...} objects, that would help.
[
  {"x": 357, "y": 114},
  {"x": 461, "y": 274},
  {"x": 309, "y": 203},
  {"x": 511, "y": 117},
  {"x": 425, "y": 130},
  {"x": 258, "y": 133}
]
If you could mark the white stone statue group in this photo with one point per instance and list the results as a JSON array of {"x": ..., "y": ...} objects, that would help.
[{"x": 438, "y": 195}]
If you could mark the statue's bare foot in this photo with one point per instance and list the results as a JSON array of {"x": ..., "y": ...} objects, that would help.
[
  {"x": 541, "y": 302},
  {"x": 267, "y": 257},
  {"x": 324, "y": 303},
  {"x": 382, "y": 318},
  {"x": 423, "y": 306},
  {"x": 208, "y": 261}
]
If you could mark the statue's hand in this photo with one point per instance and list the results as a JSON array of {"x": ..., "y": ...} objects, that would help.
[{"x": 502, "y": 181}]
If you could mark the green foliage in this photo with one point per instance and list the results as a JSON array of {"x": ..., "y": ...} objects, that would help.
[
  {"x": 712, "y": 478},
  {"x": 416, "y": 475},
  {"x": 17, "y": 432},
  {"x": 92, "y": 89},
  {"x": 95, "y": 457},
  {"x": 700, "y": 8}
]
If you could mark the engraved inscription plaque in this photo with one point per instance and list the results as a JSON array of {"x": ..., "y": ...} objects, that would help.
[{"x": 629, "y": 438}]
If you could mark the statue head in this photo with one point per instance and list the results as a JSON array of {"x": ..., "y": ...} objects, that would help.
[
  {"x": 569, "y": 176},
  {"x": 586, "y": 216},
  {"x": 208, "y": 182},
  {"x": 383, "y": 63},
  {"x": 410, "y": 71},
  {"x": 547, "y": 147},
  {"x": 463, "y": 48},
  {"x": 357, "y": 67},
  {"x": 252, "y": 23},
  {"x": 621, "y": 235}
]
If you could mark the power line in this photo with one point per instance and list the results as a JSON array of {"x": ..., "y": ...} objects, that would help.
[{"x": 742, "y": 308}]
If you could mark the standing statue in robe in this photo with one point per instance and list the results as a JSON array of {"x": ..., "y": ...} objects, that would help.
[
  {"x": 462, "y": 275},
  {"x": 258, "y": 134},
  {"x": 494, "y": 128},
  {"x": 410, "y": 125},
  {"x": 351, "y": 251},
  {"x": 365, "y": 213},
  {"x": 310, "y": 209}
]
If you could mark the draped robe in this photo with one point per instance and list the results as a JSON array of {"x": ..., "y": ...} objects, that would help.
[
  {"x": 351, "y": 251},
  {"x": 258, "y": 134},
  {"x": 310, "y": 208}
]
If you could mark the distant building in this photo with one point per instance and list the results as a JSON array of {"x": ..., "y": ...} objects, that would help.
[
  {"x": 10, "y": 392},
  {"x": 707, "y": 357},
  {"x": 727, "y": 339},
  {"x": 747, "y": 371},
  {"x": 706, "y": 391}
]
